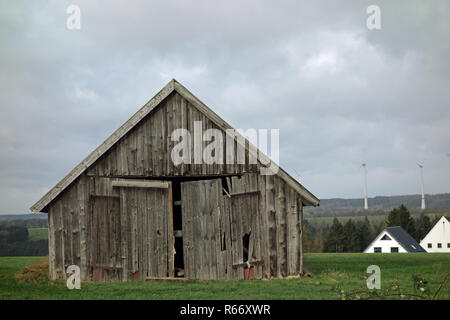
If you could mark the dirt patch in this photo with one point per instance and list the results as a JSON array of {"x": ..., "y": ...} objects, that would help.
[{"x": 35, "y": 273}]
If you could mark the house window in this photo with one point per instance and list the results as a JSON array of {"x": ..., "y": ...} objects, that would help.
[
  {"x": 394, "y": 249},
  {"x": 439, "y": 245},
  {"x": 385, "y": 237},
  {"x": 430, "y": 245},
  {"x": 377, "y": 250},
  {"x": 448, "y": 245}
]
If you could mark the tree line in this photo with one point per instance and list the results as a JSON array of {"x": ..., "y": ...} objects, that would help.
[
  {"x": 355, "y": 236},
  {"x": 15, "y": 241}
]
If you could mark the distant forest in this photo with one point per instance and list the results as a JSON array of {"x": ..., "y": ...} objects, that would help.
[
  {"x": 14, "y": 237},
  {"x": 438, "y": 203}
]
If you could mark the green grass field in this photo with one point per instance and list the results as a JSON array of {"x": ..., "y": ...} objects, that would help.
[
  {"x": 328, "y": 271},
  {"x": 38, "y": 233}
]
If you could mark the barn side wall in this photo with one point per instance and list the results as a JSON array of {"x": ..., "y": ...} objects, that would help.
[{"x": 279, "y": 224}]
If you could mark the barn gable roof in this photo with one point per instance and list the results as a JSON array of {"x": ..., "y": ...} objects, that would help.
[{"x": 173, "y": 85}]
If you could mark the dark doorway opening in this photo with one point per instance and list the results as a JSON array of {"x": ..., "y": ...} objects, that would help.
[
  {"x": 177, "y": 229},
  {"x": 245, "y": 246}
]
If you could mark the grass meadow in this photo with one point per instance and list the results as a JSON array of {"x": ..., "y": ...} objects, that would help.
[
  {"x": 38, "y": 233},
  {"x": 329, "y": 271}
]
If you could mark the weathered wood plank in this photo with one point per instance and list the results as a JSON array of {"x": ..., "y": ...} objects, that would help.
[
  {"x": 281, "y": 232},
  {"x": 300, "y": 209},
  {"x": 129, "y": 183}
]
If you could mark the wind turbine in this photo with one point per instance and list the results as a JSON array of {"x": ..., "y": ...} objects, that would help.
[
  {"x": 366, "y": 206},
  {"x": 421, "y": 180}
]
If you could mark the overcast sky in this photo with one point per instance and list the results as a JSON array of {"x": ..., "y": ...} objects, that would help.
[{"x": 338, "y": 91}]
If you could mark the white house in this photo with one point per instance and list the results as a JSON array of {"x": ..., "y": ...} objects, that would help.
[
  {"x": 438, "y": 239},
  {"x": 393, "y": 239}
]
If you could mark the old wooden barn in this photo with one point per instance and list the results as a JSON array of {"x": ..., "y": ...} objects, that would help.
[{"x": 128, "y": 212}]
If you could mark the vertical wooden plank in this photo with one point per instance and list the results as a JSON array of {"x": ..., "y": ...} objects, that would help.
[
  {"x": 75, "y": 223},
  {"x": 139, "y": 236},
  {"x": 272, "y": 231},
  {"x": 162, "y": 234},
  {"x": 113, "y": 161},
  {"x": 159, "y": 150},
  {"x": 140, "y": 148},
  {"x": 133, "y": 153},
  {"x": 264, "y": 235},
  {"x": 151, "y": 230},
  {"x": 164, "y": 134},
  {"x": 81, "y": 197},
  {"x": 187, "y": 230},
  {"x": 168, "y": 135},
  {"x": 281, "y": 229},
  {"x": 119, "y": 157},
  {"x": 90, "y": 188},
  {"x": 62, "y": 236},
  {"x": 134, "y": 233},
  {"x": 182, "y": 125},
  {"x": 294, "y": 233},
  {"x": 152, "y": 152},
  {"x": 171, "y": 238},
  {"x": 149, "y": 145},
  {"x": 214, "y": 189},
  {"x": 145, "y": 238},
  {"x": 156, "y": 249},
  {"x": 227, "y": 227},
  {"x": 124, "y": 155},
  {"x": 257, "y": 223},
  {"x": 124, "y": 234},
  {"x": 200, "y": 241},
  {"x": 221, "y": 235},
  {"x": 300, "y": 209},
  {"x": 52, "y": 242}
]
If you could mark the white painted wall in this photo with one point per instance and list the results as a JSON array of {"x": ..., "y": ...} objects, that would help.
[
  {"x": 385, "y": 245},
  {"x": 440, "y": 233}
]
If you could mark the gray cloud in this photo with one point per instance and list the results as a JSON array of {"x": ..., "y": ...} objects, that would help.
[{"x": 337, "y": 91}]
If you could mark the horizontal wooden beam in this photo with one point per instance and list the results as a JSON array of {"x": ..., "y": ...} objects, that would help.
[
  {"x": 140, "y": 184},
  {"x": 106, "y": 267},
  {"x": 243, "y": 264},
  {"x": 178, "y": 233},
  {"x": 244, "y": 193},
  {"x": 114, "y": 196},
  {"x": 165, "y": 279}
]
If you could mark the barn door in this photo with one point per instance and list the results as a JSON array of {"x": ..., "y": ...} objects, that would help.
[
  {"x": 203, "y": 246},
  {"x": 242, "y": 209},
  {"x": 147, "y": 232},
  {"x": 106, "y": 245}
]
